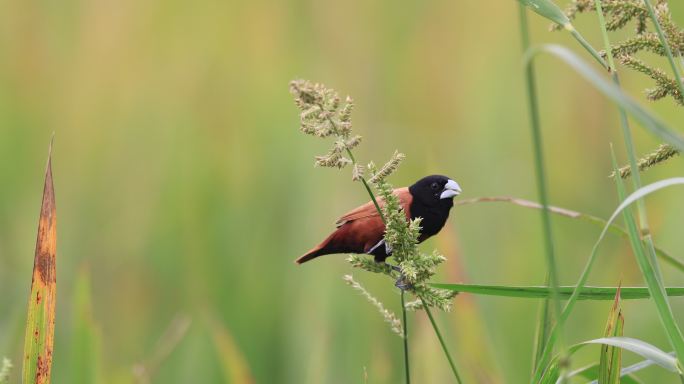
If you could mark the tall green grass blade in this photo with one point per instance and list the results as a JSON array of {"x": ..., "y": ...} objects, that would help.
[
  {"x": 614, "y": 228},
  {"x": 564, "y": 292},
  {"x": 611, "y": 356},
  {"x": 543, "y": 329},
  {"x": 40, "y": 323},
  {"x": 540, "y": 174},
  {"x": 648, "y": 120},
  {"x": 454, "y": 370}
]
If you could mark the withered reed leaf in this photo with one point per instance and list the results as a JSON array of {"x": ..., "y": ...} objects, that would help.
[{"x": 40, "y": 323}]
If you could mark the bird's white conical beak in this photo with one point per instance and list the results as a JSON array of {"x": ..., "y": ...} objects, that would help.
[{"x": 451, "y": 189}]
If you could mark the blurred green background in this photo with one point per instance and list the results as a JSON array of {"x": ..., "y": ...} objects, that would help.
[{"x": 185, "y": 189}]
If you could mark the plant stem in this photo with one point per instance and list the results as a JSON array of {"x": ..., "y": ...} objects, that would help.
[
  {"x": 406, "y": 359},
  {"x": 441, "y": 341},
  {"x": 365, "y": 184},
  {"x": 666, "y": 45},
  {"x": 588, "y": 47},
  {"x": 541, "y": 177},
  {"x": 542, "y": 331}
]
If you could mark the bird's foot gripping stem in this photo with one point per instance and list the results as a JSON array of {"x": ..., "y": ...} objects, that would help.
[{"x": 401, "y": 283}]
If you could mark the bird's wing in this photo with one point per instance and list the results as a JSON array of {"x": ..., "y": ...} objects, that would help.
[{"x": 368, "y": 209}]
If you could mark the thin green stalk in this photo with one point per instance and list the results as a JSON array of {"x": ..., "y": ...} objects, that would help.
[
  {"x": 540, "y": 175},
  {"x": 406, "y": 359},
  {"x": 543, "y": 329},
  {"x": 666, "y": 45},
  {"x": 588, "y": 47},
  {"x": 441, "y": 341},
  {"x": 365, "y": 184}
]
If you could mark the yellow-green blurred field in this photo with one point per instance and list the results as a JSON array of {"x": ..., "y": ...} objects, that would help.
[{"x": 185, "y": 189}]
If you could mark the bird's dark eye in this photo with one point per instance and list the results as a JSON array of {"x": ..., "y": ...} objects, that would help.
[{"x": 434, "y": 186}]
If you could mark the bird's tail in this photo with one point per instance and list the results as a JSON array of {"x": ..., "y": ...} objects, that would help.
[
  {"x": 321, "y": 249},
  {"x": 312, "y": 254}
]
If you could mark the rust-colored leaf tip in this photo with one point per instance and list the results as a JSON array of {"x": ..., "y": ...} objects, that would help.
[{"x": 40, "y": 323}]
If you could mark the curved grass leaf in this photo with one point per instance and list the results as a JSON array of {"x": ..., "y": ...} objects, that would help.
[
  {"x": 540, "y": 292},
  {"x": 639, "y": 347},
  {"x": 648, "y": 120},
  {"x": 626, "y": 372},
  {"x": 644, "y": 191},
  {"x": 40, "y": 323},
  {"x": 642, "y": 348}
]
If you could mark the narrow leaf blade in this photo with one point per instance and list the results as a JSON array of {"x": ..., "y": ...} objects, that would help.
[
  {"x": 540, "y": 292},
  {"x": 641, "y": 348},
  {"x": 611, "y": 357},
  {"x": 40, "y": 323}
]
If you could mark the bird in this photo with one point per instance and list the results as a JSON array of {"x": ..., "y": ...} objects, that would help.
[{"x": 362, "y": 230}]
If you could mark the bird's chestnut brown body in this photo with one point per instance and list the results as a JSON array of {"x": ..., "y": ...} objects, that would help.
[{"x": 362, "y": 230}]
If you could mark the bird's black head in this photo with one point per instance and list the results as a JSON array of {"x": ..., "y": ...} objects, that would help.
[{"x": 435, "y": 190}]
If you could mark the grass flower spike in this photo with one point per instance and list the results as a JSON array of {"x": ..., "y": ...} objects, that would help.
[{"x": 390, "y": 318}]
